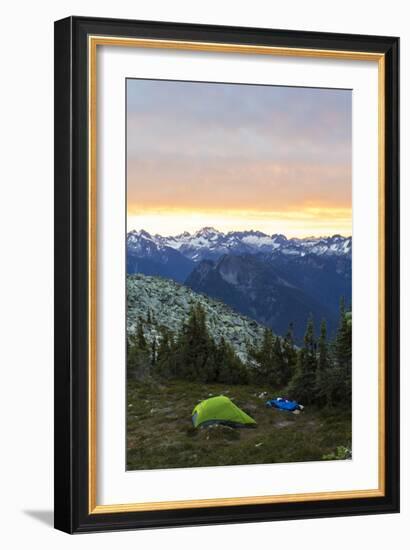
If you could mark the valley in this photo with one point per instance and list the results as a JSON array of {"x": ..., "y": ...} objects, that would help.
[{"x": 268, "y": 278}]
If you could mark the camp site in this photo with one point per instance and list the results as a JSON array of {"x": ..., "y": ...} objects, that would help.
[
  {"x": 192, "y": 401},
  {"x": 161, "y": 433},
  {"x": 238, "y": 275}
]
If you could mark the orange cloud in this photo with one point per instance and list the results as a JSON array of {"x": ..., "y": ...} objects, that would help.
[
  {"x": 263, "y": 185},
  {"x": 300, "y": 223}
]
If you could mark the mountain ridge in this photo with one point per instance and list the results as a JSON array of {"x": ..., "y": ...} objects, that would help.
[
  {"x": 209, "y": 243},
  {"x": 272, "y": 295},
  {"x": 168, "y": 304},
  {"x": 271, "y": 279}
]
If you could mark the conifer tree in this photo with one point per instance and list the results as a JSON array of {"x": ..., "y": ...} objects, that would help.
[
  {"x": 196, "y": 348},
  {"x": 265, "y": 359},
  {"x": 141, "y": 342},
  {"x": 164, "y": 360},
  {"x": 324, "y": 374},
  {"x": 138, "y": 356},
  {"x": 230, "y": 369},
  {"x": 343, "y": 356},
  {"x": 343, "y": 344},
  {"x": 302, "y": 387},
  {"x": 279, "y": 366},
  {"x": 289, "y": 354}
]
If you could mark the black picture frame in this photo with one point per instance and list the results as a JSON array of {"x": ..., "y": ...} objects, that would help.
[{"x": 71, "y": 491}]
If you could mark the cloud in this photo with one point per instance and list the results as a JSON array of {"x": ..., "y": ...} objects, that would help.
[
  {"x": 254, "y": 185},
  {"x": 305, "y": 222},
  {"x": 236, "y": 147}
]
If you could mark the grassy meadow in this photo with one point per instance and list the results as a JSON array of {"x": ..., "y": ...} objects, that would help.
[{"x": 160, "y": 432}]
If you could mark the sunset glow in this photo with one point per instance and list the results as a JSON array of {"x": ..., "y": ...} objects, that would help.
[
  {"x": 293, "y": 223},
  {"x": 238, "y": 157}
]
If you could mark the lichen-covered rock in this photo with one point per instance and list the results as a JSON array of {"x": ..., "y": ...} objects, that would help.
[{"x": 163, "y": 303}]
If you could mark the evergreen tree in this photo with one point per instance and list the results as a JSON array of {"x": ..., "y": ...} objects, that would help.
[
  {"x": 290, "y": 356},
  {"x": 196, "y": 348},
  {"x": 138, "y": 355},
  {"x": 192, "y": 354},
  {"x": 164, "y": 358},
  {"x": 324, "y": 374},
  {"x": 230, "y": 369},
  {"x": 343, "y": 344},
  {"x": 267, "y": 357},
  {"x": 302, "y": 387},
  {"x": 280, "y": 367},
  {"x": 343, "y": 356},
  {"x": 141, "y": 341}
]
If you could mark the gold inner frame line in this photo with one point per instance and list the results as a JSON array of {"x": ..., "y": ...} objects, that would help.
[{"x": 93, "y": 42}]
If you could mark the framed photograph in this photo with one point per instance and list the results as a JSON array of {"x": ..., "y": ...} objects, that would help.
[{"x": 226, "y": 274}]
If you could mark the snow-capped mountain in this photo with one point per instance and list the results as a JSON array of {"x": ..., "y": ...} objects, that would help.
[
  {"x": 210, "y": 244},
  {"x": 268, "y": 278},
  {"x": 147, "y": 254}
]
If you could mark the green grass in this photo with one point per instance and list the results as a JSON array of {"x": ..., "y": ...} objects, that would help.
[{"x": 160, "y": 432}]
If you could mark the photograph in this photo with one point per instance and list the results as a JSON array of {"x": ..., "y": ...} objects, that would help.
[
  {"x": 238, "y": 274},
  {"x": 227, "y": 253}
]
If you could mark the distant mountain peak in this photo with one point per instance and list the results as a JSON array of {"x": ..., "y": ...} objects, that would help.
[
  {"x": 248, "y": 232},
  {"x": 279, "y": 238},
  {"x": 140, "y": 233},
  {"x": 209, "y": 243},
  {"x": 207, "y": 231}
]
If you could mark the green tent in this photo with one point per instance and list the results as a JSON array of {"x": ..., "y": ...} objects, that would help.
[{"x": 220, "y": 410}]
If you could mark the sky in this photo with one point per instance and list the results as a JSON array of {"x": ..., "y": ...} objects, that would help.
[{"x": 238, "y": 156}]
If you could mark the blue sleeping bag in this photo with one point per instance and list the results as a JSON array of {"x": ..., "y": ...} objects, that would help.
[{"x": 284, "y": 404}]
